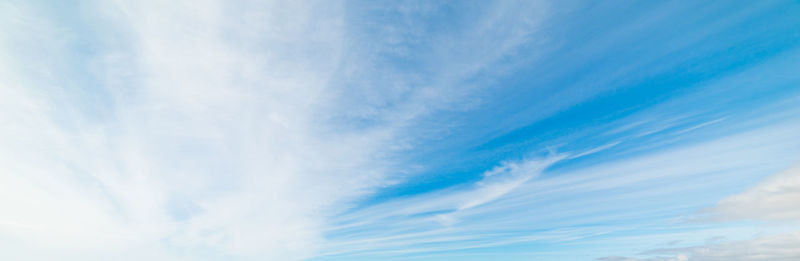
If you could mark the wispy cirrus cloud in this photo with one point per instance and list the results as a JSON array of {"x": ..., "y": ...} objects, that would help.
[
  {"x": 771, "y": 200},
  {"x": 290, "y": 130},
  {"x": 201, "y": 130},
  {"x": 590, "y": 204}
]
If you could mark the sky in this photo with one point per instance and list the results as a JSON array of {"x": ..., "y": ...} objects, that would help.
[{"x": 212, "y": 130}]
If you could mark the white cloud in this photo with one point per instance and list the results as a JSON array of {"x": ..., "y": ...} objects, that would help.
[
  {"x": 782, "y": 247},
  {"x": 504, "y": 178},
  {"x": 775, "y": 198},
  {"x": 193, "y": 126},
  {"x": 208, "y": 138},
  {"x": 148, "y": 130},
  {"x": 515, "y": 204}
]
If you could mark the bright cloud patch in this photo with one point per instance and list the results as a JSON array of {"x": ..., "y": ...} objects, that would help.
[{"x": 773, "y": 199}]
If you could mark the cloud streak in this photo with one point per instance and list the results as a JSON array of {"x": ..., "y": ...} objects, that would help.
[
  {"x": 505, "y": 207},
  {"x": 198, "y": 125}
]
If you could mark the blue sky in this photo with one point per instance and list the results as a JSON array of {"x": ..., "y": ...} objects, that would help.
[{"x": 406, "y": 130}]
